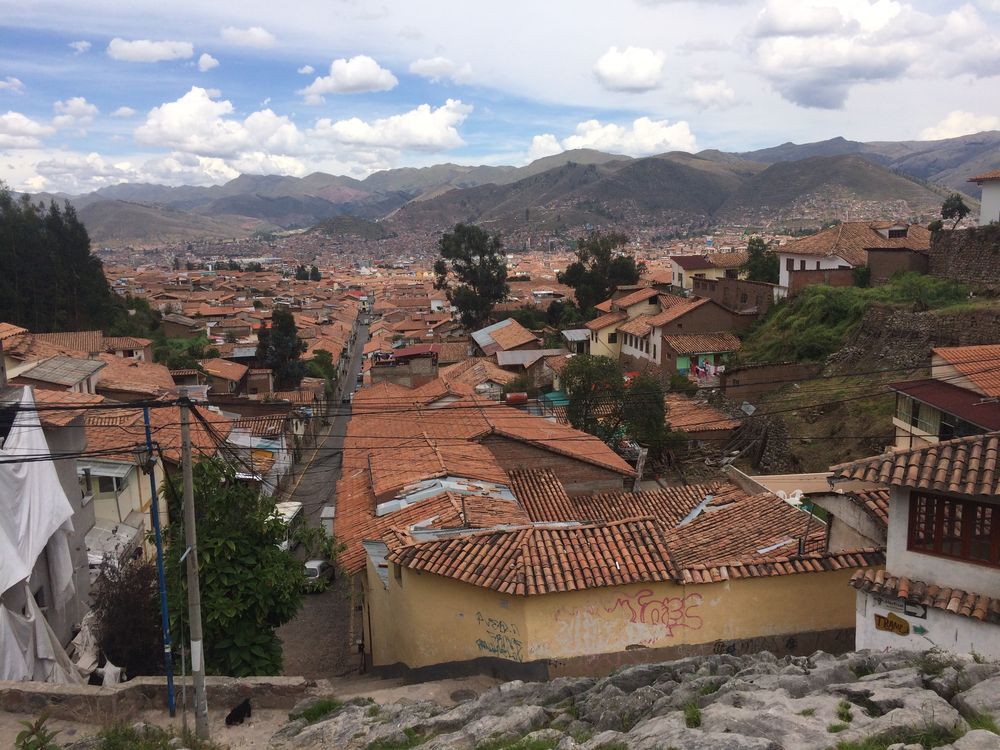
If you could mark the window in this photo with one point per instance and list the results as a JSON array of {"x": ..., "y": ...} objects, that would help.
[
  {"x": 802, "y": 265},
  {"x": 817, "y": 265},
  {"x": 612, "y": 338},
  {"x": 897, "y": 233},
  {"x": 106, "y": 485},
  {"x": 654, "y": 351},
  {"x": 743, "y": 298},
  {"x": 789, "y": 264},
  {"x": 962, "y": 529}
]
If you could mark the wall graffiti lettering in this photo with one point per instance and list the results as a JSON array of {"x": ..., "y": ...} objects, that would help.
[
  {"x": 668, "y": 613},
  {"x": 500, "y": 639}
]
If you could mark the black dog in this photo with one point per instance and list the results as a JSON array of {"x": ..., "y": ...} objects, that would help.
[{"x": 239, "y": 713}]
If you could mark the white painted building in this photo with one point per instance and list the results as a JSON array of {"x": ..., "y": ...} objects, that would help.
[
  {"x": 940, "y": 587},
  {"x": 989, "y": 210}
]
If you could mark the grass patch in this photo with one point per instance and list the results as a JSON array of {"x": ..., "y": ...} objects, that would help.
[
  {"x": 373, "y": 710},
  {"x": 712, "y": 687},
  {"x": 124, "y": 737},
  {"x": 928, "y": 737},
  {"x": 982, "y": 721},
  {"x": 844, "y": 712},
  {"x": 318, "y": 710},
  {"x": 930, "y": 664},
  {"x": 521, "y": 744},
  {"x": 412, "y": 740},
  {"x": 807, "y": 712},
  {"x": 692, "y": 716},
  {"x": 864, "y": 669},
  {"x": 836, "y": 727}
]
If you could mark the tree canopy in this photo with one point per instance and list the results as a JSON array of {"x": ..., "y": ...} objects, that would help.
[
  {"x": 473, "y": 270},
  {"x": 280, "y": 348},
  {"x": 603, "y": 404},
  {"x": 599, "y": 269},
  {"x": 954, "y": 209},
  {"x": 249, "y": 586},
  {"x": 49, "y": 280},
  {"x": 762, "y": 264}
]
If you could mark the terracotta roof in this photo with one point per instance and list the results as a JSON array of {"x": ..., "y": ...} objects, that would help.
[
  {"x": 692, "y": 262},
  {"x": 558, "y": 362},
  {"x": 542, "y": 495},
  {"x": 91, "y": 342},
  {"x": 728, "y": 260},
  {"x": 638, "y": 326},
  {"x": 541, "y": 560},
  {"x": 262, "y": 425},
  {"x": 223, "y": 368},
  {"x": 63, "y": 416},
  {"x": 133, "y": 376},
  {"x": 986, "y": 176},
  {"x": 512, "y": 336},
  {"x": 605, "y": 321},
  {"x": 851, "y": 239},
  {"x": 980, "y": 364},
  {"x": 452, "y": 351},
  {"x": 9, "y": 329},
  {"x": 958, "y": 602},
  {"x": 675, "y": 310},
  {"x": 120, "y": 430},
  {"x": 874, "y": 502},
  {"x": 124, "y": 342},
  {"x": 702, "y": 343},
  {"x": 965, "y": 466},
  {"x": 812, "y": 562},
  {"x": 605, "y": 306},
  {"x": 634, "y": 298},
  {"x": 690, "y": 415},
  {"x": 421, "y": 460}
]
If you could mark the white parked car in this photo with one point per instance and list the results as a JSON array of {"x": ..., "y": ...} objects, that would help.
[{"x": 315, "y": 569}]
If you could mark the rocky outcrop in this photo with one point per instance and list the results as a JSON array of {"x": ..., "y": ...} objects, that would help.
[{"x": 716, "y": 702}]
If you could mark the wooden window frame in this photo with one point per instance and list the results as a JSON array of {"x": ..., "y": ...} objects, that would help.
[{"x": 943, "y": 514}]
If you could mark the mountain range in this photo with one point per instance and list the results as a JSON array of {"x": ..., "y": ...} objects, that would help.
[{"x": 672, "y": 192}]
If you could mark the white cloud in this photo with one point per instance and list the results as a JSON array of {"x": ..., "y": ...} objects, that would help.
[
  {"x": 306, "y": 70},
  {"x": 357, "y": 75},
  {"x": 544, "y": 145},
  {"x": 644, "y": 137},
  {"x": 633, "y": 69},
  {"x": 144, "y": 50},
  {"x": 814, "y": 51},
  {"x": 198, "y": 124},
  {"x": 123, "y": 112},
  {"x": 11, "y": 84},
  {"x": 437, "y": 69},
  {"x": 959, "y": 123},
  {"x": 18, "y": 131},
  {"x": 80, "y": 47},
  {"x": 255, "y": 36},
  {"x": 422, "y": 129},
  {"x": 74, "y": 112},
  {"x": 206, "y": 62},
  {"x": 712, "y": 94}
]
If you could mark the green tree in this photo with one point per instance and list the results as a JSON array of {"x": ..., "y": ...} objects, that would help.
[
  {"x": 314, "y": 274},
  {"x": 762, "y": 264},
  {"x": 600, "y": 268},
  {"x": 126, "y": 606},
  {"x": 530, "y": 317},
  {"x": 49, "y": 280},
  {"x": 301, "y": 273},
  {"x": 280, "y": 348},
  {"x": 232, "y": 265},
  {"x": 321, "y": 366},
  {"x": 254, "y": 267},
  {"x": 249, "y": 586},
  {"x": 563, "y": 314},
  {"x": 596, "y": 389},
  {"x": 954, "y": 208},
  {"x": 473, "y": 270}
]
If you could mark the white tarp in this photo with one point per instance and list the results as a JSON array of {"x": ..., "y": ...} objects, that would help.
[
  {"x": 29, "y": 650},
  {"x": 33, "y": 505}
]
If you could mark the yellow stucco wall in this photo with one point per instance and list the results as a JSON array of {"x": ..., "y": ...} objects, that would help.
[
  {"x": 429, "y": 619},
  {"x": 601, "y": 347}
]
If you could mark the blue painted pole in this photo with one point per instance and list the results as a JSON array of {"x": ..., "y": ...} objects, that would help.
[{"x": 154, "y": 509}]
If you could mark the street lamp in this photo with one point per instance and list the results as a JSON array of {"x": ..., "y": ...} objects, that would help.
[{"x": 145, "y": 456}]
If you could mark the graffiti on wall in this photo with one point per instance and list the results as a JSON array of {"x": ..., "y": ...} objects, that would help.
[
  {"x": 500, "y": 638},
  {"x": 638, "y": 619}
]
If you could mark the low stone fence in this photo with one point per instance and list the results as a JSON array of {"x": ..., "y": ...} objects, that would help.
[{"x": 125, "y": 701}]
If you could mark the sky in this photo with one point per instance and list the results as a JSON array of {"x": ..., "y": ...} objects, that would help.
[{"x": 187, "y": 92}]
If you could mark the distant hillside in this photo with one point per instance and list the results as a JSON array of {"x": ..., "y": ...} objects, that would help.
[
  {"x": 122, "y": 223},
  {"x": 352, "y": 227},
  {"x": 949, "y": 162},
  {"x": 834, "y": 185}
]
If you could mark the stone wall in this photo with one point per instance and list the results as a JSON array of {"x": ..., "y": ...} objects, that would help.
[
  {"x": 971, "y": 256},
  {"x": 123, "y": 702},
  {"x": 745, "y": 382},
  {"x": 892, "y": 338}
]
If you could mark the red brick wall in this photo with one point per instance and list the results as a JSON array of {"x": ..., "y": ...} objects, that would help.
[
  {"x": 708, "y": 318},
  {"x": 884, "y": 263},
  {"x": 737, "y": 294},
  {"x": 799, "y": 280},
  {"x": 578, "y": 477},
  {"x": 745, "y": 382}
]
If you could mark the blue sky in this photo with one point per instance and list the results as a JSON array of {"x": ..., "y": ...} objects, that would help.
[{"x": 102, "y": 92}]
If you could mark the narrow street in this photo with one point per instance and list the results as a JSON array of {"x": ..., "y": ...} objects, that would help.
[{"x": 318, "y": 643}]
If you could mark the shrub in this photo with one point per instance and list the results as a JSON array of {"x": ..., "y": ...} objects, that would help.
[
  {"x": 692, "y": 715},
  {"x": 127, "y": 612},
  {"x": 35, "y": 736}
]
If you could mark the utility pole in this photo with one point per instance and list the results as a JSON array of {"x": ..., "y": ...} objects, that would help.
[
  {"x": 194, "y": 588},
  {"x": 639, "y": 465},
  {"x": 149, "y": 466}
]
